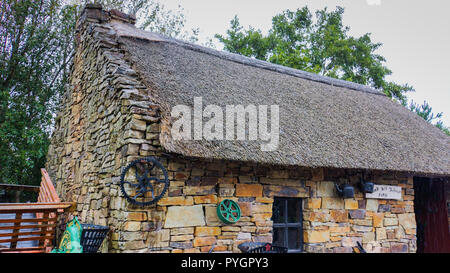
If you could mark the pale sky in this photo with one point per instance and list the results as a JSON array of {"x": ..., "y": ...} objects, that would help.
[{"x": 415, "y": 34}]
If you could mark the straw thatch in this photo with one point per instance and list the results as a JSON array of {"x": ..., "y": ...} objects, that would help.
[{"x": 323, "y": 122}]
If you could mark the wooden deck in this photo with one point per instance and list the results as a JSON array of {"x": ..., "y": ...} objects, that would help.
[
  {"x": 20, "y": 244},
  {"x": 31, "y": 227}
]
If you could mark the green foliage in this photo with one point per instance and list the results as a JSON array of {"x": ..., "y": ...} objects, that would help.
[
  {"x": 425, "y": 111},
  {"x": 31, "y": 59},
  {"x": 36, "y": 51},
  {"x": 441, "y": 126},
  {"x": 318, "y": 44}
]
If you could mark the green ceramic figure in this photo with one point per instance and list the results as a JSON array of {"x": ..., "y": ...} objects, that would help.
[{"x": 70, "y": 241}]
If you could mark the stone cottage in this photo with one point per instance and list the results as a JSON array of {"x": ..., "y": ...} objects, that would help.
[{"x": 125, "y": 83}]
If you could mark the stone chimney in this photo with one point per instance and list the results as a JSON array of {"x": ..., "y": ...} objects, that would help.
[{"x": 95, "y": 13}]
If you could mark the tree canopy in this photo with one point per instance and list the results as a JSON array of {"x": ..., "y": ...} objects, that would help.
[
  {"x": 36, "y": 50},
  {"x": 33, "y": 69},
  {"x": 318, "y": 44}
]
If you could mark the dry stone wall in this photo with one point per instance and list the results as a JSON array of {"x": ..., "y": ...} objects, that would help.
[
  {"x": 107, "y": 120},
  {"x": 104, "y": 118},
  {"x": 189, "y": 222}
]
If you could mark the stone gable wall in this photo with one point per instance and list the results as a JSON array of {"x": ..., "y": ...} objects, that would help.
[
  {"x": 107, "y": 120},
  {"x": 104, "y": 118}
]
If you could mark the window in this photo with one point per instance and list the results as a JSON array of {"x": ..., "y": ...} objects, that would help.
[{"x": 287, "y": 223}]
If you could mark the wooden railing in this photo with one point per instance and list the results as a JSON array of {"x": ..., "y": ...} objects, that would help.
[
  {"x": 47, "y": 192},
  {"x": 34, "y": 223}
]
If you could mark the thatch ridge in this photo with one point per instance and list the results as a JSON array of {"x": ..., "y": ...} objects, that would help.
[{"x": 129, "y": 31}]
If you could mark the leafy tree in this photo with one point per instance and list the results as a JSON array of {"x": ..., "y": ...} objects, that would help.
[
  {"x": 36, "y": 50},
  {"x": 441, "y": 126},
  {"x": 319, "y": 44},
  {"x": 425, "y": 112},
  {"x": 33, "y": 64}
]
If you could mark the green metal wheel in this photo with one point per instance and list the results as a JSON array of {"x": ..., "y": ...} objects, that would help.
[{"x": 228, "y": 211}]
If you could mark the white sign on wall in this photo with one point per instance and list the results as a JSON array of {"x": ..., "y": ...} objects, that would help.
[{"x": 385, "y": 192}]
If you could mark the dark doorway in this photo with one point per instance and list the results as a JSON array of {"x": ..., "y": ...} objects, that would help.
[{"x": 430, "y": 207}]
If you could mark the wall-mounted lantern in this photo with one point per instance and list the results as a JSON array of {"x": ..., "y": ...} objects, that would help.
[
  {"x": 345, "y": 191},
  {"x": 366, "y": 186}
]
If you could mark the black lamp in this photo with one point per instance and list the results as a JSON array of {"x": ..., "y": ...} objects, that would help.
[
  {"x": 345, "y": 191},
  {"x": 366, "y": 186}
]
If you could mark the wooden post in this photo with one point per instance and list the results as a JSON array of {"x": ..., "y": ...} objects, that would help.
[
  {"x": 16, "y": 231},
  {"x": 42, "y": 242},
  {"x": 17, "y": 197}
]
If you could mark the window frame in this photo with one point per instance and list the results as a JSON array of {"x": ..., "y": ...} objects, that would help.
[{"x": 286, "y": 225}]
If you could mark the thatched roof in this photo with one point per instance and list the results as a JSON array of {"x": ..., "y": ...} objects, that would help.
[{"x": 324, "y": 122}]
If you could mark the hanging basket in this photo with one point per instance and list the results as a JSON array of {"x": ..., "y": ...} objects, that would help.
[{"x": 229, "y": 211}]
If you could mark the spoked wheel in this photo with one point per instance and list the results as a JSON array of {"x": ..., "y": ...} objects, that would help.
[
  {"x": 144, "y": 181},
  {"x": 228, "y": 211}
]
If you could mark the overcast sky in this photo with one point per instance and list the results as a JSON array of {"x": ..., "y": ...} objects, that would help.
[{"x": 415, "y": 34}]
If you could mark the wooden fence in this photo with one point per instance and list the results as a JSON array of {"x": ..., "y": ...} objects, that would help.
[{"x": 34, "y": 223}]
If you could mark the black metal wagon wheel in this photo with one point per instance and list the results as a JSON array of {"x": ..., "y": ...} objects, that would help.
[{"x": 144, "y": 181}]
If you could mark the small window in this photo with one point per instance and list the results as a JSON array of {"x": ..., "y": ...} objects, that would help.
[{"x": 287, "y": 223}]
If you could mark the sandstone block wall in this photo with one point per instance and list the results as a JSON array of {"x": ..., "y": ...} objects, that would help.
[{"x": 331, "y": 224}]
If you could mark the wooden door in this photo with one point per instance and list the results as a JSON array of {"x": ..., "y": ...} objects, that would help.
[{"x": 430, "y": 207}]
